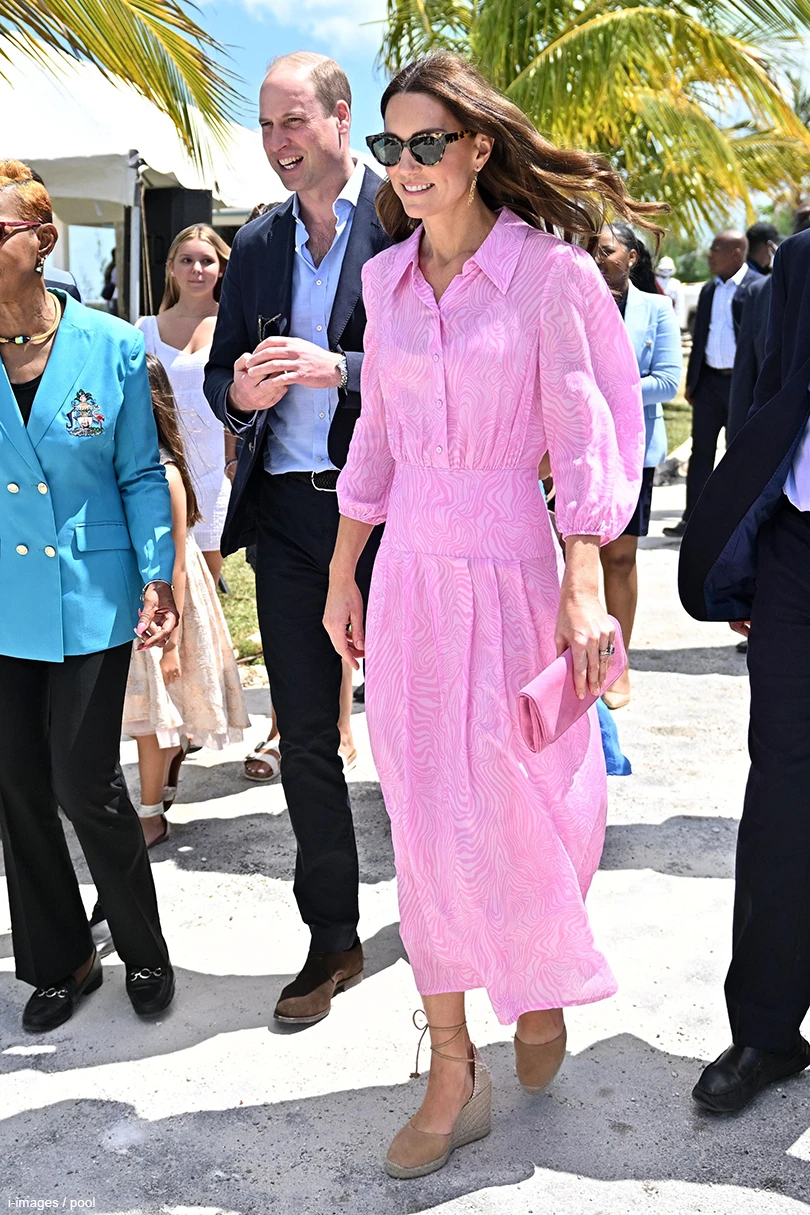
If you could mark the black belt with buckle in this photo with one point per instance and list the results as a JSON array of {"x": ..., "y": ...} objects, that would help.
[{"x": 325, "y": 481}]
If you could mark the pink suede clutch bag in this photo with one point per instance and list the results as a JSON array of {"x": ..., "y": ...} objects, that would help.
[{"x": 549, "y": 705}]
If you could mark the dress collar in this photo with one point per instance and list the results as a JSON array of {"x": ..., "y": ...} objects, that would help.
[{"x": 497, "y": 256}]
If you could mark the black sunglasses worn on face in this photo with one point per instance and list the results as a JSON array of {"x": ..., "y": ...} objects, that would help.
[{"x": 427, "y": 148}]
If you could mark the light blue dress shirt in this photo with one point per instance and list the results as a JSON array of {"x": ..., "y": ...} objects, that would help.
[{"x": 298, "y": 427}]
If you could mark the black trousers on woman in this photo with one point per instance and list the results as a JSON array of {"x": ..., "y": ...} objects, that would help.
[
  {"x": 768, "y": 983},
  {"x": 297, "y": 529},
  {"x": 60, "y": 734}
]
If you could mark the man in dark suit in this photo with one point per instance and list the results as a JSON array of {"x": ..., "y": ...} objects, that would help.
[
  {"x": 708, "y": 376},
  {"x": 284, "y": 373},
  {"x": 763, "y": 241},
  {"x": 750, "y": 352},
  {"x": 751, "y": 337},
  {"x": 745, "y": 558}
]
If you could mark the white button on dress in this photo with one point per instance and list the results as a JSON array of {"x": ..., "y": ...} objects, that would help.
[
  {"x": 50, "y": 551},
  {"x": 13, "y": 488},
  {"x": 42, "y": 487},
  {"x": 22, "y": 549}
]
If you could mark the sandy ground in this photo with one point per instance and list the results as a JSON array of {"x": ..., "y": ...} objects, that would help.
[{"x": 214, "y": 1110}]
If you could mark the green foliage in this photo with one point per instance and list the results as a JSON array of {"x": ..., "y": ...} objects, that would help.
[
  {"x": 153, "y": 45},
  {"x": 678, "y": 421},
  {"x": 684, "y": 97},
  {"x": 239, "y": 605}
]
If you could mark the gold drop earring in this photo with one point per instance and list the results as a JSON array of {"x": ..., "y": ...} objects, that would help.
[{"x": 471, "y": 194}]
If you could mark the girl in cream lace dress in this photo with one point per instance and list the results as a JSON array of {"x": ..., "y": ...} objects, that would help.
[{"x": 191, "y": 689}]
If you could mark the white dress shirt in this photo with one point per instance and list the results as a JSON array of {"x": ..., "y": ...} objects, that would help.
[{"x": 721, "y": 344}]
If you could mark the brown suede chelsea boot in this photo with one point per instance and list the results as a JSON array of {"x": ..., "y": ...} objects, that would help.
[{"x": 309, "y": 997}]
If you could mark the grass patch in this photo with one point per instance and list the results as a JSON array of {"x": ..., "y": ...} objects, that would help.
[
  {"x": 240, "y": 605},
  {"x": 678, "y": 418}
]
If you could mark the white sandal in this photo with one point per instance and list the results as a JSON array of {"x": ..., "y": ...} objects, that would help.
[{"x": 267, "y": 753}]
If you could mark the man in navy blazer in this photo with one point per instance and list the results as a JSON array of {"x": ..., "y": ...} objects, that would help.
[
  {"x": 284, "y": 374},
  {"x": 751, "y": 338},
  {"x": 708, "y": 375},
  {"x": 745, "y": 558}
]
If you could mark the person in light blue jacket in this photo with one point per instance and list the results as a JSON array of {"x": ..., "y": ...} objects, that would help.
[
  {"x": 85, "y": 531},
  {"x": 653, "y": 329}
]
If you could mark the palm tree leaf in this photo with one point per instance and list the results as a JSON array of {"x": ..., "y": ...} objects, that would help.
[{"x": 152, "y": 45}]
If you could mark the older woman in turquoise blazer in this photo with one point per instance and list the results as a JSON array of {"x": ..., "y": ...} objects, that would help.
[
  {"x": 85, "y": 532},
  {"x": 653, "y": 329}
]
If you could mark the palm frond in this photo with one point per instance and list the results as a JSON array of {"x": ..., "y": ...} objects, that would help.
[{"x": 153, "y": 45}]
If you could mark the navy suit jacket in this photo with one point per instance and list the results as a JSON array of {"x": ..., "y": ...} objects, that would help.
[
  {"x": 750, "y": 353},
  {"x": 256, "y": 302},
  {"x": 703, "y": 319},
  {"x": 718, "y": 563}
]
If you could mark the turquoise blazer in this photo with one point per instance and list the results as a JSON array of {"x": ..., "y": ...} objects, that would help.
[
  {"x": 656, "y": 338},
  {"x": 85, "y": 513}
]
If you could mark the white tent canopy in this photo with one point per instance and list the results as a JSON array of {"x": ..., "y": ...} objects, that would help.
[{"x": 77, "y": 129}]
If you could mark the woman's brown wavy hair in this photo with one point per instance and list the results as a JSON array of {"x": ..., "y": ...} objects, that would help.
[
  {"x": 164, "y": 407},
  {"x": 556, "y": 189}
]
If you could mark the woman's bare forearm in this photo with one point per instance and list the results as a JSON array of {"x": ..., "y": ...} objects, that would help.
[
  {"x": 351, "y": 540},
  {"x": 581, "y": 566}
]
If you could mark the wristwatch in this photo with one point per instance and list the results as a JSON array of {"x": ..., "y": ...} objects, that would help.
[{"x": 343, "y": 367}]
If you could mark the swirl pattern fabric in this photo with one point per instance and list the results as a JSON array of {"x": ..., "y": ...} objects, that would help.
[{"x": 495, "y": 847}]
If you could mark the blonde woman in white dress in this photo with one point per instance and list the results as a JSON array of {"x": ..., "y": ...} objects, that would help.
[
  {"x": 180, "y": 336},
  {"x": 191, "y": 688}
]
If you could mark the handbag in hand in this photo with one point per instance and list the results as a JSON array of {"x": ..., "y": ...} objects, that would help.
[{"x": 549, "y": 705}]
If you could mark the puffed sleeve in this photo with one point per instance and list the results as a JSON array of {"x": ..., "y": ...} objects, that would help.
[
  {"x": 365, "y": 483},
  {"x": 141, "y": 479},
  {"x": 590, "y": 397}
]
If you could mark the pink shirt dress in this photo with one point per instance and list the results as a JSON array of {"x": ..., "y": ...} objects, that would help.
[{"x": 495, "y": 847}]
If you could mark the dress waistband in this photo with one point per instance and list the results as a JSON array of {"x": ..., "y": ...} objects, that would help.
[{"x": 498, "y": 513}]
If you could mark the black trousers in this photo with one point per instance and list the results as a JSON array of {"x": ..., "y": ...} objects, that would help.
[
  {"x": 768, "y": 983},
  {"x": 60, "y": 735},
  {"x": 709, "y": 417},
  {"x": 295, "y": 541}
]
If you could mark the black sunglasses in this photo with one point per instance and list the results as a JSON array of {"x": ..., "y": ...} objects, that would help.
[{"x": 427, "y": 148}]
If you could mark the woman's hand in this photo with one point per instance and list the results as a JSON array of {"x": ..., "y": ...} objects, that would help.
[
  {"x": 343, "y": 619},
  {"x": 170, "y": 664},
  {"x": 585, "y": 627},
  {"x": 158, "y": 616}
]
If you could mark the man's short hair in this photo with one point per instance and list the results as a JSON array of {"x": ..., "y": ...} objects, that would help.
[
  {"x": 329, "y": 81},
  {"x": 760, "y": 234}
]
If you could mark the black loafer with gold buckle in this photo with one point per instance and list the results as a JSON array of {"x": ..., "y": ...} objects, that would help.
[
  {"x": 150, "y": 988},
  {"x": 50, "y": 1007}
]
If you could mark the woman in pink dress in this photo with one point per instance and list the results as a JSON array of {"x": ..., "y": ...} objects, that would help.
[{"x": 489, "y": 342}]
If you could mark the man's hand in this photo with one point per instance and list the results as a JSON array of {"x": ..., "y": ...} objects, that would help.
[
  {"x": 688, "y": 396},
  {"x": 295, "y": 361},
  {"x": 248, "y": 392},
  {"x": 743, "y": 627}
]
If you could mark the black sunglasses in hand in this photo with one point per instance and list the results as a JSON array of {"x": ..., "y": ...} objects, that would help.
[{"x": 427, "y": 148}]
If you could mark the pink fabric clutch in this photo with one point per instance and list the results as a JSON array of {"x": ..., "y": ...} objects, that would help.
[{"x": 549, "y": 705}]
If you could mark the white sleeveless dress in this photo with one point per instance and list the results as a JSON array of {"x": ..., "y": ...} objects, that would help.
[{"x": 203, "y": 434}]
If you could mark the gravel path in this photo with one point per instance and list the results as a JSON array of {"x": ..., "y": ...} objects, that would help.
[{"x": 211, "y": 1112}]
